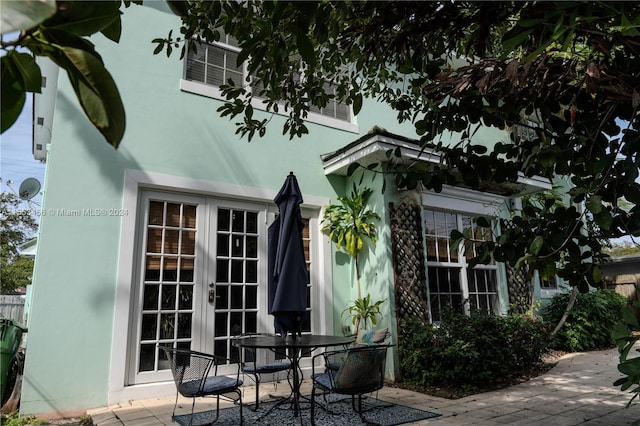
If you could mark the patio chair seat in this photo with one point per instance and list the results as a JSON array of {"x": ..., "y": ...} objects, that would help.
[
  {"x": 273, "y": 367},
  {"x": 324, "y": 380},
  {"x": 212, "y": 385}
]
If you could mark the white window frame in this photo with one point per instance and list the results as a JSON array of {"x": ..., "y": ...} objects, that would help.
[
  {"x": 462, "y": 266},
  {"x": 550, "y": 291},
  {"x": 466, "y": 202},
  {"x": 257, "y": 103}
]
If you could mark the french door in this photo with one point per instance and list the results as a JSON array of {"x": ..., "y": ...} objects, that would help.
[{"x": 202, "y": 278}]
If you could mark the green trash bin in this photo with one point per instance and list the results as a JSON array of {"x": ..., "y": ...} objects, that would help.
[{"x": 10, "y": 338}]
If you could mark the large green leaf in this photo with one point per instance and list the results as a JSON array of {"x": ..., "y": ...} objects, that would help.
[
  {"x": 536, "y": 245},
  {"x": 604, "y": 219},
  {"x": 11, "y": 103},
  {"x": 88, "y": 17},
  {"x": 515, "y": 39},
  {"x": 305, "y": 46},
  {"x": 12, "y": 94},
  {"x": 94, "y": 86},
  {"x": 594, "y": 204},
  {"x": 24, "y": 70},
  {"x": 630, "y": 367},
  {"x": 25, "y": 14},
  {"x": 179, "y": 7},
  {"x": 632, "y": 193},
  {"x": 113, "y": 30},
  {"x": 548, "y": 271}
]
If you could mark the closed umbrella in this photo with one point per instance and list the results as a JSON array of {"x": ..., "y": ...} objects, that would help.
[{"x": 288, "y": 276}]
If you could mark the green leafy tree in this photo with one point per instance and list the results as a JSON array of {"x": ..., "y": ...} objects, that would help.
[
  {"x": 60, "y": 31},
  {"x": 564, "y": 73},
  {"x": 348, "y": 225},
  {"x": 17, "y": 225}
]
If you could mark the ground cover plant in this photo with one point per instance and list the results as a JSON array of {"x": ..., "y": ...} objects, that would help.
[
  {"x": 469, "y": 354},
  {"x": 14, "y": 419}
]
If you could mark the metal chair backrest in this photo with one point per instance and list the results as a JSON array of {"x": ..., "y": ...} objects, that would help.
[
  {"x": 189, "y": 369},
  {"x": 250, "y": 355},
  {"x": 362, "y": 370}
]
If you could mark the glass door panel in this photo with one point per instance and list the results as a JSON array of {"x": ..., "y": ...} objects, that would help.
[
  {"x": 237, "y": 248},
  {"x": 167, "y": 287}
]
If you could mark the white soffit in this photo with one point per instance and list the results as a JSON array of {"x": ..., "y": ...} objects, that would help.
[{"x": 373, "y": 148}]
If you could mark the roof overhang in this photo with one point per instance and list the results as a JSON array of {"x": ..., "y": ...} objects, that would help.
[
  {"x": 28, "y": 248},
  {"x": 374, "y": 147}
]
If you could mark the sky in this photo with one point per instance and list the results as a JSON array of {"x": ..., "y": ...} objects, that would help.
[{"x": 16, "y": 160}]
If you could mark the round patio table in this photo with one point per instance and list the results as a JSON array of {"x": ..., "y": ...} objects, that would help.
[{"x": 293, "y": 346}]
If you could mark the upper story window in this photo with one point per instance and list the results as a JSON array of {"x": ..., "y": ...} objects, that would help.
[
  {"x": 333, "y": 109},
  {"x": 214, "y": 64}
]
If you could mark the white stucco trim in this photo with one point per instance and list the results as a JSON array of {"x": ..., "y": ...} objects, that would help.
[
  {"x": 134, "y": 181},
  {"x": 44, "y": 107},
  {"x": 374, "y": 149},
  {"x": 258, "y": 104},
  {"x": 464, "y": 201}
]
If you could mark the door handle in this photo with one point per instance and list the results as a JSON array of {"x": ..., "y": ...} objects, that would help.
[{"x": 212, "y": 293}]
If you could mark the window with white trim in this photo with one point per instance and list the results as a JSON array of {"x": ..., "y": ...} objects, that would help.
[
  {"x": 333, "y": 109},
  {"x": 548, "y": 284},
  {"x": 214, "y": 64},
  {"x": 452, "y": 283}
]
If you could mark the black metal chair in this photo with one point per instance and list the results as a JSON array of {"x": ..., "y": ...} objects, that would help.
[
  {"x": 361, "y": 372},
  {"x": 196, "y": 375},
  {"x": 363, "y": 338},
  {"x": 250, "y": 364}
]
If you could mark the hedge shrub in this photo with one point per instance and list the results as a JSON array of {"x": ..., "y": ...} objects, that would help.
[
  {"x": 470, "y": 351},
  {"x": 589, "y": 324}
]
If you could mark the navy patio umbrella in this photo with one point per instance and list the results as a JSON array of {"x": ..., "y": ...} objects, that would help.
[{"x": 288, "y": 276}]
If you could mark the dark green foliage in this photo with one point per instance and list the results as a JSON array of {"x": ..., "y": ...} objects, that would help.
[
  {"x": 589, "y": 324},
  {"x": 626, "y": 334},
  {"x": 470, "y": 351},
  {"x": 17, "y": 225}
]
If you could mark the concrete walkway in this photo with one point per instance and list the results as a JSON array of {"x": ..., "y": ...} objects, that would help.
[{"x": 577, "y": 391}]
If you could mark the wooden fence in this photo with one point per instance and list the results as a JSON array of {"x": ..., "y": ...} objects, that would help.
[{"x": 12, "y": 307}]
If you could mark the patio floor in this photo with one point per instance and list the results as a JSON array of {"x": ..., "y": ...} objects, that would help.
[{"x": 577, "y": 391}]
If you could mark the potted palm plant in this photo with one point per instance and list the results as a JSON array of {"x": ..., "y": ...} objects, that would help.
[{"x": 348, "y": 224}]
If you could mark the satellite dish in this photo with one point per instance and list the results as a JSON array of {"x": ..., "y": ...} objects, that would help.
[{"x": 29, "y": 188}]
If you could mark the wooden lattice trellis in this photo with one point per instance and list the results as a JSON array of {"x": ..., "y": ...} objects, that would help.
[
  {"x": 519, "y": 284},
  {"x": 408, "y": 263}
]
